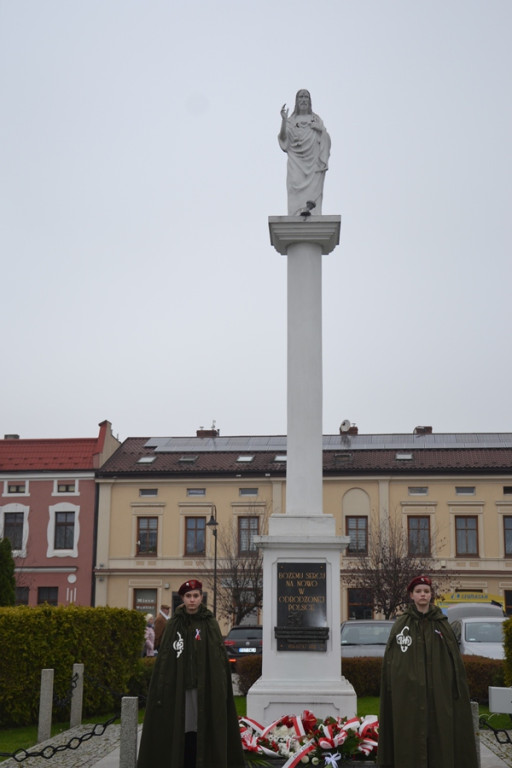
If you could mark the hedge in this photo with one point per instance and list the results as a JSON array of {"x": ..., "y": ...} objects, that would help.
[
  {"x": 108, "y": 641},
  {"x": 364, "y": 674}
]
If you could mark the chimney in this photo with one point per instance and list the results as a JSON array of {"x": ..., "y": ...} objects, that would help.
[
  {"x": 353, "y": 430},
  {"x": 207, "y": 432},
  {"x": 11, "y": 437},
  {"x": 422, "y": 431}
]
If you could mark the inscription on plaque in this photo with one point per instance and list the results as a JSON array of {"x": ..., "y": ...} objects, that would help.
[{"x": 301, "y": 607}]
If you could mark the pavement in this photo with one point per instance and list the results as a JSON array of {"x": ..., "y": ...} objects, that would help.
[{"x": 103, "y": 751}]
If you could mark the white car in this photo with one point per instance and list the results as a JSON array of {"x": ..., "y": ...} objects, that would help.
[
  {"x": 480, "y": 636},
  {"x": 364, "y": 637}
]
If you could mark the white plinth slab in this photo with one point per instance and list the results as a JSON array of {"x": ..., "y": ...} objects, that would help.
[{"x": 270, "y": 699}]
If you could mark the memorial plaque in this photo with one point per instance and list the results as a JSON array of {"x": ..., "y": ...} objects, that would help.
[{"x": 301, "y": 607}]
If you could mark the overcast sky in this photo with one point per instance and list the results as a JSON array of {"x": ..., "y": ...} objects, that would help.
[{"x": 139, "y": 163}]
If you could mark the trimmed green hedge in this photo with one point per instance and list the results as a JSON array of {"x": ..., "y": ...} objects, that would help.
[
  {"x": 364, "y": 674},
  {"x": 108, "y": 641}
]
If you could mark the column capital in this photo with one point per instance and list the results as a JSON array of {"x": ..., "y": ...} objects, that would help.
[{"x": 289, "y": 230}]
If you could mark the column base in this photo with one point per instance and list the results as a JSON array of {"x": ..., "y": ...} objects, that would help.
[{"x": 268, "y": 700}]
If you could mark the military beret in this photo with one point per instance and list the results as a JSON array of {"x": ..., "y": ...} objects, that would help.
[
  {"x": 419, "y": 580},
  {"x": 189, "y": 585}
]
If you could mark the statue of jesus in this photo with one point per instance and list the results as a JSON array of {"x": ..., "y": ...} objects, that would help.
[{"x": 304, "y": 138}]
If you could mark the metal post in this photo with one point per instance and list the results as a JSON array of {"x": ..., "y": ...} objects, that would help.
[
  {"x": 77, "y": 696},
  {"x": 44, "y": 730},
  {"x": 212, "y": 523},
  {"x": 129, "y": 723}
]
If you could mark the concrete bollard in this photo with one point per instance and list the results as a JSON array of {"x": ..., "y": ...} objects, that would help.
[
  {"x": 44, "y": 729},
  {"x": 77, "y": 697},
  {"x": 129, "y": 726},
  {"x": 476, "y": 726}
]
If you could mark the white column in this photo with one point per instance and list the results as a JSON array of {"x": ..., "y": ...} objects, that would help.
[{"x": 304, "y": 441}]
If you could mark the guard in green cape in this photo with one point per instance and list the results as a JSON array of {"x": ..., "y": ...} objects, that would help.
[
  {"x": 425, "y": 714},
  {"x": 190, "y": 720}
]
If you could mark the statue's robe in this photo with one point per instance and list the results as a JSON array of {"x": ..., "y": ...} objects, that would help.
[
  {"x": 191, "y": 655},
  {"x": 425, "y": 712},
  {"x": 308, "y": 156}
]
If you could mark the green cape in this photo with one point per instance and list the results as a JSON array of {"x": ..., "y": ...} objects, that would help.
[
  {"x": 191, "y": 651},
  {"x": 425, "y": 713}
]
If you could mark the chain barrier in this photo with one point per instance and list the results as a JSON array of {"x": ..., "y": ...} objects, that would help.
[
  {"x": 501, "y": 735},
  {"x": 98, "y": 729},
  {"x": 50, "y": 750}
]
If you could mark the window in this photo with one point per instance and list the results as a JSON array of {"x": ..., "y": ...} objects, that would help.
[
  {"x": 465, "y": 490},
  {"x": 507, "y": 535},
  {"x": 248, "y": 528},
  {"x": 144, "y": 600},
  {"x": 466, "y": 536},
  {"x": 64, "y": 535},
  {"x": 146, "y": 460},
  {"x": 16, "y": 487},
  {"x": 402, "y": 456},
  {"x": 418, "y": 535},
  {"x": 22, "y": 595},
  {"x": 357, "y": 529},
  {"x": 147, "y": 535},
  {"x": 63, "y": 530},
  {"x": 345, "y": 456},
  {"x": 66, "y": 487},
  {"x": 507, "y": 490},
  {"x": 359, "y": 604},
  {"x": 13, "y": 529},
  {"x": 188, "y": 459},
  {"x": 247, "y": 491},
  {"x": 280, "y": 457},
  {"x": 508, "y": 602},
  {"x": 48, "y": 595},
  {"x": 195, "y": 528},
  {"x": 148, "y": 491},
  {"x": 245, "y": 458},
  {"x": 417, "y": 490},
  {"x": 196, "y": 491}
]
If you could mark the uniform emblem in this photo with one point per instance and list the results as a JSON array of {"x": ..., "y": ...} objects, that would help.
[
  {"x": 198, "y": 634},
  {"x": 404, "y": 640},
  {"x": 178, "y": 645}
]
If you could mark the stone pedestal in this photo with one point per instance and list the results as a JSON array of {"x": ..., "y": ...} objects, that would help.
[{"x": 301, "y": 553}]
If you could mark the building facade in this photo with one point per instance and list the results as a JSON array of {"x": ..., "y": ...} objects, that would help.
[
  {"x": 449, "y": 494},
  {"x": 47, "y": 511}
]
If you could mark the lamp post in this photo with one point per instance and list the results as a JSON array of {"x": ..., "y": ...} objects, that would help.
[{"x": 212, "y": 523}]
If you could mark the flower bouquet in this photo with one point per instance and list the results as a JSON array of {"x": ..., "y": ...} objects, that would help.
[{"x": 305, "y": 740}]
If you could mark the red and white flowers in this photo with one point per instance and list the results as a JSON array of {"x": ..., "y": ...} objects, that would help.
[{"x": 306, "y": 740}]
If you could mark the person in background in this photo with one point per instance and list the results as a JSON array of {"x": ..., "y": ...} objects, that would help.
[
  {"x": 190, "y": 719},
  {"x": 425, "y": 714},
  {"x": 160, "y": 624},
  {"x": 149, "y": 636}
]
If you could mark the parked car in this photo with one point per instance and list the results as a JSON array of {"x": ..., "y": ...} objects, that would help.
[
  {"x": 480, "y": 635},
  {"x": 364, "y": 637},
  {"x": 243, "y": 640},
  {"x": 468, "y": 610}
]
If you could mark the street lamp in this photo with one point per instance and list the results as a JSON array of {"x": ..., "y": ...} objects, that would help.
[{"x": 212, "y": 523}]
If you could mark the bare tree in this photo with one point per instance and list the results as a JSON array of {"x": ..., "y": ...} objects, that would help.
[
  {"x": 239, "y": 577},
  {"x": 387, "y": 568}
]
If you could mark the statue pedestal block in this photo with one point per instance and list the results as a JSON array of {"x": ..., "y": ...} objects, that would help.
[{"x": 301, "y": 622}]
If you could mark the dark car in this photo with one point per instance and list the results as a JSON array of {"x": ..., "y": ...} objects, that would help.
[
  {"x": 243, "y": 641},
  {"x": 364, "y": 637}
]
